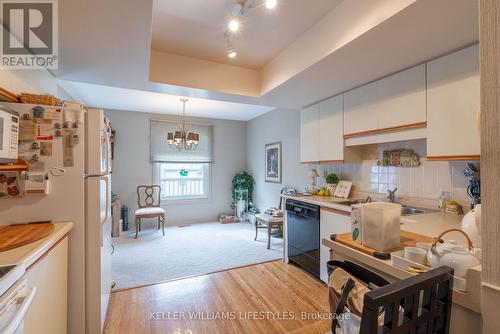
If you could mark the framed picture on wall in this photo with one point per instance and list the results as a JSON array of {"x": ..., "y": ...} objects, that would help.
[{"x": 273, "y": 163}]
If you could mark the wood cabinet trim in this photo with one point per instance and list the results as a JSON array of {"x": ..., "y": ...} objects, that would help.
[
  {"x": 44, "y": 255},
  {"x": 454, "y": 157},
  {"x": 340, "y": 212},
  {"x": 385, "y": 130},
  {"x": 322, "y": 162},
  {"x": 331, "y": 161}
]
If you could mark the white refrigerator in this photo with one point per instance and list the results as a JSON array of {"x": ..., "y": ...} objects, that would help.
[{"x": 79, "y": 177}]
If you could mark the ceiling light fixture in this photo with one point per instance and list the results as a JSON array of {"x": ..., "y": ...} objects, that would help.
[
  {"x": 237, "y": 13},
  {"x": 181, "y": 138},
  {"x": 234, "y": 24},
  {"x": 270, "y": 4},
  {"x": 231, "y": 53}
]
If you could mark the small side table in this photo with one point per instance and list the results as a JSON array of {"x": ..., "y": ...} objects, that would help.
[{"x": 264, "y": 220}]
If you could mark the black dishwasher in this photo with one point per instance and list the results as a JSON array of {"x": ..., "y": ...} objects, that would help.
[{"x": 303, "y": 235}]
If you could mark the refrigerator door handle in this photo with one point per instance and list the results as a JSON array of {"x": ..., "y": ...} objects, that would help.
[
  {"x": 107, "y": 201},
  {"x": 106, "y": 215}
]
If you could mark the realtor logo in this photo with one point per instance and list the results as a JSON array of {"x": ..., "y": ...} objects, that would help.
[{"x": 29, "y": 34}]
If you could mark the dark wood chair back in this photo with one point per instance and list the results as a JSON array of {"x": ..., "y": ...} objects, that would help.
[
  {"x": 425, "y": 301},
  {"x": 148, "y": 196}
]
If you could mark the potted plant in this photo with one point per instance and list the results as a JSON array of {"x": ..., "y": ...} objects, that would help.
[
  {"x": 331, "y": 180},
  {"x": 242, "y": 193}
]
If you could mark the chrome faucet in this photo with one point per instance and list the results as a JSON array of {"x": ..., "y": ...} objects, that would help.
[{"x": 392, "y": 195}]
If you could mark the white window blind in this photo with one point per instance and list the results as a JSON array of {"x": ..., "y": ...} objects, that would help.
[{"x": 162, "y": 152}]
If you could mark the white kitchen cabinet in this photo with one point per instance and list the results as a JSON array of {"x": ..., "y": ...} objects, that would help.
[
  {"x": 309, "y": 134},
  {"x": 453, "y": 102},
  {"x": 48, "y": 312},
  {"x": 394, "y": 101},
  {"x": 402, "y": 99},
  {"x": 331, "y": 130},
  {"x": 331, "y": 222},
  {"x": 360, "y": 109}
]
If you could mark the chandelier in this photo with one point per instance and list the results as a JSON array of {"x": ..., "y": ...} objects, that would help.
[{"x": 182, "y": 139}]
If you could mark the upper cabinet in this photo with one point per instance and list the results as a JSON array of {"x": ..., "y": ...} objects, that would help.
[
  {"x": 402, "y": 99},
  {"x": 309, "y": 134},
  {"x": 453, "y": 103},
  {"x": 438, "y": 100},
  {"x": 331, "y": 130},
  {"x": 393, "y": 103},
  {"x": 322, "y": 133},
  {"x": 361, "y": 108}
]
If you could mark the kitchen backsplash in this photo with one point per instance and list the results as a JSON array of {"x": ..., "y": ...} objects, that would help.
[{"x": 425, "y": 182}]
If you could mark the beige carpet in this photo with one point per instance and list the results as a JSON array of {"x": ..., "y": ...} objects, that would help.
[{"x": 186, "y": 251}]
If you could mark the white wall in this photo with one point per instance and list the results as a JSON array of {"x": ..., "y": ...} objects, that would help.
[
  {"x": 131, "y": 166},
  {"x": 279, "y": 125},
  {"x": 423, "y": 184},
  {"x": 32, "y": 81}
]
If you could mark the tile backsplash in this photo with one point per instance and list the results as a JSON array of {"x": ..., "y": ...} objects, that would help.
[{"x": 425, "y": 182}]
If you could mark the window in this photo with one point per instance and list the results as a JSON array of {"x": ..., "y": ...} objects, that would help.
[{"x": 183, "y": 181}]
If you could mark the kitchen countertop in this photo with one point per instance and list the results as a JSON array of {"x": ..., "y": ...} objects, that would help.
[
  {"x": 430, "y": 224},
  {"x": 323, "y": 201},
  {"x": 23, "y": 257}
]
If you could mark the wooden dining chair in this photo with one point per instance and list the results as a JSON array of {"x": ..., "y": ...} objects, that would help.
[
  {"x": 420, "y": 304},
  {"x": 424, "y": 302},
  {"x": 149, "y": 200}
]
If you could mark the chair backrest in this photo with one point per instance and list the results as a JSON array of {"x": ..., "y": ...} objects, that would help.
[
  {"x": 148, "y": 196},
  {"x": 423, "y": 302}
]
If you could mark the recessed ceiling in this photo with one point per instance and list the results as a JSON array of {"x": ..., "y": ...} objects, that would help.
[
  {"x": 107, "y": 97},
  {"x": 195, "y": 28}
]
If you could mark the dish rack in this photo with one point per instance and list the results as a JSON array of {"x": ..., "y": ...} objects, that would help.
[{"x": 398, "y": 260}]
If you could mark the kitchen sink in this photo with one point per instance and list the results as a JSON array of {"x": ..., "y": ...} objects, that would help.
[
  {"x": 405, "y": 210},
  {"x": 408, "y": 210}
]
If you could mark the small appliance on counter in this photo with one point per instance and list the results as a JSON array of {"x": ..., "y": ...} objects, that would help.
[
  {"x": 9, "y": 135},
  {"x": 381, "y": 225}
]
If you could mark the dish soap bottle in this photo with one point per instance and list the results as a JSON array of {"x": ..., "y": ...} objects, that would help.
[{"x": 443, "y": 198}]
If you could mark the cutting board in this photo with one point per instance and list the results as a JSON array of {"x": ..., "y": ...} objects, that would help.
[
  {"x": 13, "y": 236},
  {"x": 408, "y": 239}
]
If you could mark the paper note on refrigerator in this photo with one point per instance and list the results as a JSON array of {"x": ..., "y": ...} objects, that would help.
[
  {"x": 44, "y": 129},
  {"x": 27, "y": 129},
  {"x": 68, "y": 159},
  {"x": 53, "y": 114},
  {"x": 46, "y": 148}
]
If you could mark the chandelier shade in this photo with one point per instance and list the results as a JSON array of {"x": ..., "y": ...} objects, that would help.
[{"x": 183, "y": 139}]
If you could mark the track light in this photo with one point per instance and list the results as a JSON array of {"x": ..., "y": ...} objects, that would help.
[
  {"x": 231, "y": 52},
  {"x": 270, "y": 4},
  {"x": 234, "y": 24},
  {"x": 239, "y": 10}
]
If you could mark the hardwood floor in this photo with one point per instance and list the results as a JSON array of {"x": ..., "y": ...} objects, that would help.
[{"x": 272, "y": 297}]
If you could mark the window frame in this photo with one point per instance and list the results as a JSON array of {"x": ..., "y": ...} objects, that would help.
[{"x": 186, "y": 200}]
